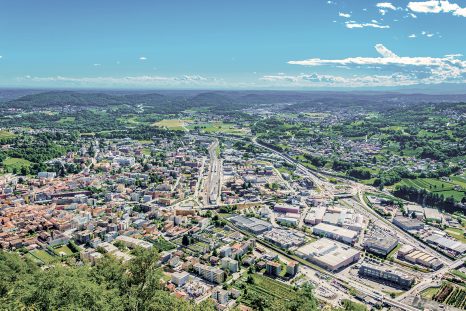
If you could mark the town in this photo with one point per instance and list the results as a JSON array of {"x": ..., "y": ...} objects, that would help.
[{"x": 235, "y": 219}]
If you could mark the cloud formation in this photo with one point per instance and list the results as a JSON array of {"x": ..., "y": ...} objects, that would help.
[
  {"x": 373, "y": 24},
  {"x": 134, "y": 81},
  {"x": 435, "y": 6},
  {"x": 403, "y": 70},
  {"x": 346, "y": 15},
  {"x": 386, "y": 5}
]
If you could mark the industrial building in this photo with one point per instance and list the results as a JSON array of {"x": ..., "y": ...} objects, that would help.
[
  {"x": 412, "y": 255},
  {"x": 380, "y": 245},
  {"x": 336, "y": 233},
  {"x": 252, "y": 224},
  {"x": 382, "y": 273},
  {"x": 454, "y": 247},
  {"x": 329, "y": 254},
  {"x": 408, "y": 224}
]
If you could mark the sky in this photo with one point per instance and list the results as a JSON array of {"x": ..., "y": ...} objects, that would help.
[{"x": 220, "y": 44}]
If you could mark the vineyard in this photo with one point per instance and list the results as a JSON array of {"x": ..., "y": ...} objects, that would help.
[{"x": 451, "y": 295}]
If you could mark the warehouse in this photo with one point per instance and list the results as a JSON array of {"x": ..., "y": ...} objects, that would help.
[
  {"x": 382, "y": 245},
  {"x": 328, "y": 254},
  {"x": 335, "y": 233}
]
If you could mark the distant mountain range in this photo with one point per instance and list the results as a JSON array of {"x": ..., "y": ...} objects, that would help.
[{"x": 175, "y": 101}]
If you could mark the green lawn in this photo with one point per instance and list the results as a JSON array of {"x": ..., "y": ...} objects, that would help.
[
  {"x": 63, "y": 249},
  {"x": 11, "y": 163},
  {"x": 43, "y": 256}
]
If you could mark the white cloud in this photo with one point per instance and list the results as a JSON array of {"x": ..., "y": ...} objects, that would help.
[
  {"x": 353, "y": 24},
  {"x": 142, "y": 58},
  {"x": 386, "y": 5},
  {"x": 97, "y": 65},
  {"x": 419, "y": 69},
  {"x": 143, "y": 81},
  {"x": 322, "y": 80},
  {"x": 382, "y": 11},
  {"x": 435, "y": 6},
  {"x": 412, "y": 36},
  {"x": 346, "y": 15}
]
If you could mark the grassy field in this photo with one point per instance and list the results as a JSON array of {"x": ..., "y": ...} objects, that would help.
[
  {"x": 43, "y": 256},
  {"x": 66, "y": 120},
  {"x": 6, "y": 135},
  {"x": 218, "y": 127},
  {"x": 457, "y": 234},
  {"x": 429, "y": 293},
  {"x": 172, "y": 124},
  {"x": 454, "y": 188},
  {"x": 163, "y": 245},
  {"x": 11, "y": 163},
  {"x": 63, "y": 249}
]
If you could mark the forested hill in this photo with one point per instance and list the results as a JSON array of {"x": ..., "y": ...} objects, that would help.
[{"x": 174, "y": 102}]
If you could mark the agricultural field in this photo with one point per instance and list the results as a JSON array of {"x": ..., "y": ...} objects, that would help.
[
  {"x": 173, "y": 124},
  {"x": 451, "y": 295},
  {"x": 15, "y": 163},
  {"x": 269, "y": 288},
  {"x": 455, "y": 187}
]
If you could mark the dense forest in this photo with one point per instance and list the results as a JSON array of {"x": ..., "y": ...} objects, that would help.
[{"x": 109, "y": 285}]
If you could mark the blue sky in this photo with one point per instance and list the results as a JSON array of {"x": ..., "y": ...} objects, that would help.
[{"x": 311, "y": 44}]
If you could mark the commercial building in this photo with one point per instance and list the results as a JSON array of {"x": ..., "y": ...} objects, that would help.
[
  {"x": 329, "y": 254},
  {"x": 336, "y": 233},
  {"x": 282, "y": 208},
  {"x": 381, "y": 273},
  {"x": 285, "y": 238},
  {"x": 315, "y": 215},
  {"x": 382, "y": 245}
]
